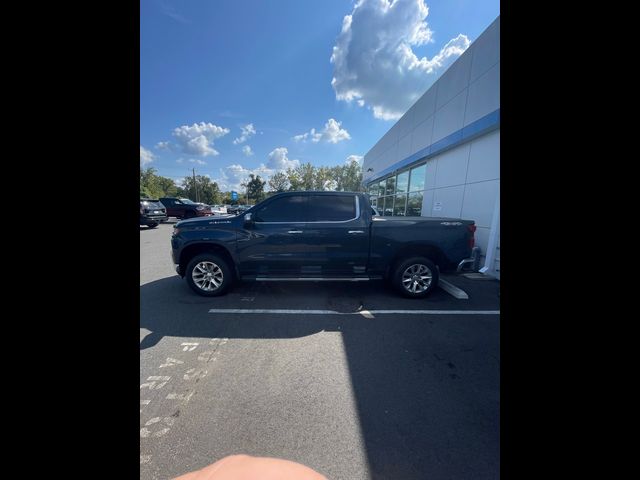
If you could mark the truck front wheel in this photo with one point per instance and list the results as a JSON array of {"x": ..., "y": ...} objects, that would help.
[
  {"x": 415, "y": 277},
  {"x": 208, "y": 275}
]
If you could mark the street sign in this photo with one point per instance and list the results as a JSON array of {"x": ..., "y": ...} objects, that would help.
[{"x": 234, "y": 195}]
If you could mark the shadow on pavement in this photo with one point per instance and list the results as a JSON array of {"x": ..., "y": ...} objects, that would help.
[{"x": 426, "y": 387}]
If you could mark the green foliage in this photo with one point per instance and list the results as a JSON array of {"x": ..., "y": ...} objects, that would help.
[
  {"x": 255, "y": 188},
  {"x": 155, "y": 186},
  {"x": 279, "y": 182},
  {"x": 307, "y": 177},
  {"x": 202, "y": 190}
]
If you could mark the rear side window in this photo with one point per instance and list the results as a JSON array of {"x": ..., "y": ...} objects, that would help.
[
  {"x": 286, "y": 209},
  {"x": 331, "y": 208}
]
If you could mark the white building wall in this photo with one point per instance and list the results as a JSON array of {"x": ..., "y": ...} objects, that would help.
[{"x": 465, "y": 180}]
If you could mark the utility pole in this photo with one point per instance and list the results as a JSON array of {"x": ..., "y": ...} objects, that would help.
[{"x": 195, "y": 185}]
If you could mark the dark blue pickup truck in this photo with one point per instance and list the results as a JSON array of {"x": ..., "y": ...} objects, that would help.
[{"x": 319, "y": 236}]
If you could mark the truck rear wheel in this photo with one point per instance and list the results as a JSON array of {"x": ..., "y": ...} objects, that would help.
[
  {"x": 415, "y": 277},
  {"x": 208, "y": 275}
]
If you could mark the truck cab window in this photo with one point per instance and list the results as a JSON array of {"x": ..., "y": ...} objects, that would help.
[{"x": 287, "y": 209}]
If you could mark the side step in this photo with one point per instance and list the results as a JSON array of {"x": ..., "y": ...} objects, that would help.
[{"x": 314, "y": 279}]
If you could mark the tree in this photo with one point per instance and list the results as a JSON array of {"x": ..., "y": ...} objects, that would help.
[
  {"x": 279, "y": 182},
  {"x": 155, "y": 186},
  {"x": 302, "y": 177},
  {"x": 351, "y": 177},
  {"x": 255, "y": 187},
  {"x": 207, "y": 191},
  {"x": 322, "y": 178},
  {"x": 295, "y": 182}
]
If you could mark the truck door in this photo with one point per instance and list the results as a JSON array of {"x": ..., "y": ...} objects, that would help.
[
  {"x": 336, "y": 234},
  {"x": 274, "y": 244}
]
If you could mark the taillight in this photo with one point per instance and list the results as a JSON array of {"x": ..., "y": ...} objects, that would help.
[{"x": 472, "y": 238}]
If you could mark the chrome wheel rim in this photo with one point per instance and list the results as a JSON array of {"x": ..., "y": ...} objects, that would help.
[
  {"x": 207, "y": 276},
  {"x": 417, "y": 278}
]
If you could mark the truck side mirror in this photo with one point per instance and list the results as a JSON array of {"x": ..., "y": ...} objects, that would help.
[{"x": 248, "y": 220}]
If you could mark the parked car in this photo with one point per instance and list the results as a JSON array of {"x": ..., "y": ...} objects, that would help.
[
  {"x": 185, "y": 208},
  {"x": 316, "y": 236},
  {"x": 237, "y": 209},
  {"x": 152, "y": 212},
  {"x": 219, "y": 209}
]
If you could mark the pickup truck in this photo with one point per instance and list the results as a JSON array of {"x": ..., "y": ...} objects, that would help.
[{"x": 319, "y": 236}]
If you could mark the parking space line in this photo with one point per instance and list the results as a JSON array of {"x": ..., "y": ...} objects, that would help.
[{"x": 373, "y": 312}]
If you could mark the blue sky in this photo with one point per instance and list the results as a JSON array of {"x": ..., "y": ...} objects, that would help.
[{"x": 232, "y": 87}]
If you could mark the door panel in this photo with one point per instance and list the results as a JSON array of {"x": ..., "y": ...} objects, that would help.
[
  {"x": 336, "y": 235},
  {"x": 275, "y": 243}
]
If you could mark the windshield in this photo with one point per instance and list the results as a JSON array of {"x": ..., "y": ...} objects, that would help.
[{"x": 186, "y": 200}]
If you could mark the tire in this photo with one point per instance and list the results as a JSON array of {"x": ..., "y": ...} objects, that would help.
[
  {"x": 152, "y": 225},
  {"x": 407, "y": 271},
  {"x": 213, "y": 264}
]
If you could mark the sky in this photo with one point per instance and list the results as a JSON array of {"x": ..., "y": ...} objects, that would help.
[{"x": 233, "y": 87}]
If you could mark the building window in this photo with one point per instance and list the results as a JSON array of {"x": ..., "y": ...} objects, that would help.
[
  {"x": 391, "y": 186},
  {"x": 414, "y": 204},
  {"x": 416, "y": 181},
  {"x": 381, "y": 187},
  {"x": 399, "y": 206},
  {"x": 402, "y": 183},
  {"x": 386, "y": 207}
]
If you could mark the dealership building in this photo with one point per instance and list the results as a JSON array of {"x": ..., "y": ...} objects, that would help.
[{"x": 442, "y": 158}]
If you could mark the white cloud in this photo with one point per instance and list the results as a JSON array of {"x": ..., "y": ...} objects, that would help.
[
  {"x": 197, "y": 139},
  {"x": 351, "y": 158},
  {"x": 233, "y": 175},
  {"x": 145, "y": 156},
  {"x": 247, "y": 132},
  {"x": 278, "y": 160},
  {"x": 332, "y": 133},
  {"x": 199, "y": 162},
  {"x": 163, "y": 146},
  {"x": 180, "y": 160},
  {"x": 373, "y": 59},
  {"x": 300, "y": 138},
  {"x": 247, "y": 151}
]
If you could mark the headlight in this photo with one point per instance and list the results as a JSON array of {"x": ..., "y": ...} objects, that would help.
[
  {"x": 199, "y": 207},
  {"x": 176, "y": 231}
]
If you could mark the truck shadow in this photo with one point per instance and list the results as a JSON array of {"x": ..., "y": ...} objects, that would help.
[{"x": 426, "y": 387}]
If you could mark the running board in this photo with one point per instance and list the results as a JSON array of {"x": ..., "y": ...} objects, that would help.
[{"x": 314, "y": 279}]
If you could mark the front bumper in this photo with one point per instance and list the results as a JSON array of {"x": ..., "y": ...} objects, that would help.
[{"x": 154, "y": 219}]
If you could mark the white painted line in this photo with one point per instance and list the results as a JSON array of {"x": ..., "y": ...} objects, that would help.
[
  {"x": 152, "y": 384},
  {"x": 189, "y": 346},
  {"x": 185, "y": 397},
  {"x": 145, "y": 459},
  {"x": 171, "y": 362},
  {"x": 192, "y": 373},
  {"x": 451, "y": 289},
  {"x": 373, "y": 312}
]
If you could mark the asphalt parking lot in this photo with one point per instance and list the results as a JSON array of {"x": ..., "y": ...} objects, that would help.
[{"x": 369, "y": 386}]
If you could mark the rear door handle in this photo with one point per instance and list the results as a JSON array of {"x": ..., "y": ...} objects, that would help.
[
  {"x": 294, "y": 231},
  {"x": 352, "y": 232}
]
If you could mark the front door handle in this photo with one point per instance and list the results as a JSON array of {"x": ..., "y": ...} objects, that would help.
[
  {"x": 352, "y": 232},
  {"x": 294, "y": 231}
]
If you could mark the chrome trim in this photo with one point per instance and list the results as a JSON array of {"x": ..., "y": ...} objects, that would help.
[
  {"x": 463, "y": 263},
  {"x": 313, "y": 279},
  {"x": 357, "y": 197},
  {"x": 294, "y": 231},
  {"x": 356, "y": 231}
]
